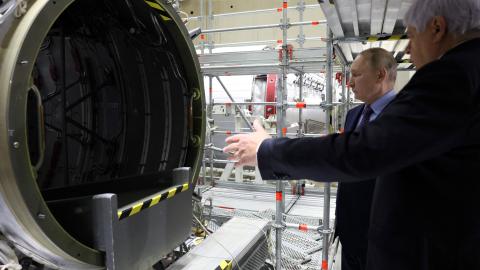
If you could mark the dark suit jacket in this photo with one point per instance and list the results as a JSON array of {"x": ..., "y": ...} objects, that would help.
[
  {"x": 425, "y": 150},
  {"x": 354, "y": 201}
]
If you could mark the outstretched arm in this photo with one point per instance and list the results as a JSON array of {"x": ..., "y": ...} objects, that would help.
[
  {"x": 429, "y": 117},
  {"x": 243, "y": 147}
]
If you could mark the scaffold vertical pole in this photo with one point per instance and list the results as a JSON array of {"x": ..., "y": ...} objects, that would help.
[
  {"x": 210, "y": 25},
  {"x": 328, "y": 113},
  {"x": 301, "y": 129},
  {"x": 210, "y": 116},
  {"x": 202, "y": 25},
  {"x": 301, "y": 41},
  {"x": 347, "y": 75},
  {"x": 281, "y": 92},
  {"x": 300, "y": 110},
  {"x": 344, "y": 95},
  {"x": 301, "y": 35}
]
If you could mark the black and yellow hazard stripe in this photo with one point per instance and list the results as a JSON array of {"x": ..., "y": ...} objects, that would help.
[
  {"x": 140, "y": 206},
  {"x": 163, "y": 14},
  {"x": 224, "y": 265},
  {"x": 386, "y": 38},
  {"x": 404, "y": 61}
]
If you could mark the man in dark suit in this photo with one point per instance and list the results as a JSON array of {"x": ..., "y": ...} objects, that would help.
[
  {"x": 424, "y": 148},
  {"x": 373, "y": 75}
]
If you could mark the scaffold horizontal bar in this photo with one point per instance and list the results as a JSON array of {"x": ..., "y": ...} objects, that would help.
[
  {"x": 254, "y": 11},
  {"x": 262, "y": 26}
]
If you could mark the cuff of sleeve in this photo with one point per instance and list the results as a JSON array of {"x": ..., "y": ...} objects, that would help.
[{"x": 263, "y": 162}]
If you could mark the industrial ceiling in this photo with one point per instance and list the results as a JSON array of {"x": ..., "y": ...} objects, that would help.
[{"x": 361, "y": 24}]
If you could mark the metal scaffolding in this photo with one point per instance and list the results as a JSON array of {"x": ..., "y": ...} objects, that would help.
[
  {"x": 359, "y": 25},
  {"x": 326, "y": 210},
  {"x": 351, "y": 30},
  {"x": 311, "y": 60}
]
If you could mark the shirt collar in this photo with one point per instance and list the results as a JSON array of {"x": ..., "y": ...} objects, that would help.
[{"x": 382, "y": 102}]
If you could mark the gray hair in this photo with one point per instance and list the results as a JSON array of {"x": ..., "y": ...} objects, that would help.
[
  {"x": 379, "y": 58},
  {"x": 462, "y": 16}
]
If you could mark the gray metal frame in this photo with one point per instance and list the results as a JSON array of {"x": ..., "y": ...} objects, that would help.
[
  {"x": 310, "y": 60},
  {"x": 141, "y": 240},
  {"x": 360, "y": 24},
  {"x": 304, "y": 61},
  {"x": 241, "y": 243},
  {"x": 26, "y": 221},
  {"x": 16, "y": 67}
]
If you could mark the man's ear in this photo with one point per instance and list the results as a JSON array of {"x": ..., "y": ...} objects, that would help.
[
  {"x": 438, "y": 28},
  {"x": 381, "y": 74}
]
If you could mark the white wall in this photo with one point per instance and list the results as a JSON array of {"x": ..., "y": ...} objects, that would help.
[
  {"x": 229, "y": 6},
  {"x": 240, "y": 87},
  {"x": 403, "y": 77}
]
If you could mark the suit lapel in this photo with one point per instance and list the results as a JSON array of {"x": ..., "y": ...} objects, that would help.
[{"x": 352, "y": 118}]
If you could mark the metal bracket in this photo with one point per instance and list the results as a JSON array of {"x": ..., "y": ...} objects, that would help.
[
  {"x": 141, "y": 240},
  {"x": 278, "y": 226},
  {"x": 195, "y": 33},
  {"x": 284, "y": 25},
  {"x": 300, "y": 6},
  {"x": 301, "y": 38},
  {"x": 325, "y": 231}
]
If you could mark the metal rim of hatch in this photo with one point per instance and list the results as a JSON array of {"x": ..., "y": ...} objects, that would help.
[{"x": 26, "y": 219}]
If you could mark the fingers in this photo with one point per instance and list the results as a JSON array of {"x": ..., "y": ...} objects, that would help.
[
  {"x": 257, "y": 125},
  {"x": 231, "y": 148},
  {"x": 242, "y": 147},
  {"x": 233, "y": 139},
  {"x": 243, "y": 157},
  {"x": 239, "y": 164},
  {"x": 236, "y": 158},
  {"x": 236, "y": 154}
]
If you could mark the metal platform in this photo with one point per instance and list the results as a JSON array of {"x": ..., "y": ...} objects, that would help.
[
  {"x": 361, "y": 24},
  {"x": 242, "y": 243},
  {"x": 312, "y": 60},
  {"x": 300, "y": 249}
]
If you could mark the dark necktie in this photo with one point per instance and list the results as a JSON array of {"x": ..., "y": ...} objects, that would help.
[{"x": 367, "y": 112}]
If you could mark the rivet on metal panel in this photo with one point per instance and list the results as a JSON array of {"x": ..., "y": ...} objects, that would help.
[
  {"x": 16, "y": 145},
  {"x": 196, "y": 94},
  {"x": 195, "y": 141}
]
